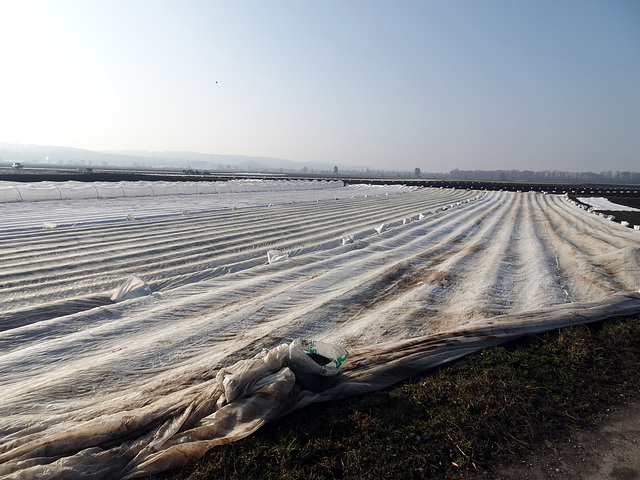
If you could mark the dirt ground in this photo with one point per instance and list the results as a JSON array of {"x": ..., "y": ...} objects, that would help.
[{"x": 609, "y": 451}]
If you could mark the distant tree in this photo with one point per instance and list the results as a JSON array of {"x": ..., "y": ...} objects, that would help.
[
  {"x": 335, "y": 170},
  {"x": 417, "y": 172}
]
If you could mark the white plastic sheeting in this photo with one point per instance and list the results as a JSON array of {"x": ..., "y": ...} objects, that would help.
[
  {"x": 204, "y": 198},
  {"x": 170, "y": 251},
  {"x": 41, "y": 191},
  {"x": 601, "y": 203},
  {"x": 97, "y": 389},
  {"x": 181, "y": 426}
]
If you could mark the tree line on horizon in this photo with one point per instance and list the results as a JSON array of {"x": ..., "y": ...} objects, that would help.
[
  {"x": 544, "y": 176},
  {"x": 617, "y": 177}
]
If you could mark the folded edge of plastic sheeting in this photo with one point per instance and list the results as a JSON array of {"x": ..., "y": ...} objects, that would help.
[
  {"x": 133, "y": 287},
  {"x": 182, "y": 426},
  {"x": 381, "y": 365},
  {"x": 166, "y": 433}
]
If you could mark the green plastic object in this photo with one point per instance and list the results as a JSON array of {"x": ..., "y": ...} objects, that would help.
[{"x": 316, "y": 358}]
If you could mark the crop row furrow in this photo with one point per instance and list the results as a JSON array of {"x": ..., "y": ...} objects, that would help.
[
  {"x": 180, "y": 261},
  {"x": 145, "y": 237}
]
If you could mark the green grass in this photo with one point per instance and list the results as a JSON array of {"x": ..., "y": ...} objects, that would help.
[{"x": 453, "y": 422}]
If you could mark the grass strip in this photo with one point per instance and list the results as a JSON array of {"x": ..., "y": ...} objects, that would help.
[{"x": 453, "y": 422}]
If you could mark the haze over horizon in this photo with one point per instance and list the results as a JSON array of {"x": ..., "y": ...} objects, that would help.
[{"x": 488, "y": 85}]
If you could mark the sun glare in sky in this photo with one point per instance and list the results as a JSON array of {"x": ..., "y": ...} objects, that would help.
[{"x": 391, "y": 85}]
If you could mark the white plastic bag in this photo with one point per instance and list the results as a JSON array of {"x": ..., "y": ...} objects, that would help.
[{"x": 316, "y": 358}]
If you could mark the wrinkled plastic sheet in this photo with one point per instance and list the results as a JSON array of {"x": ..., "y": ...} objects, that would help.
[
  {"x": 96, "y": 389},
  {"x": 237, "y": 400},
  {"x": 133, "y": 287}
]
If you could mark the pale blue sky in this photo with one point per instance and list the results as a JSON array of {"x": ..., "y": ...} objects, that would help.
[{"x": 388, "y": 84}]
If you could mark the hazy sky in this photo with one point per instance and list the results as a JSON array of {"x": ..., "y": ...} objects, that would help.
[{"x": 539, "y": 84}]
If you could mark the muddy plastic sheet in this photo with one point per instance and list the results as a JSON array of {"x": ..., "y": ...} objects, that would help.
[
  {"x": 238, "y": 400},
  {"x": 96, "y": 389}
]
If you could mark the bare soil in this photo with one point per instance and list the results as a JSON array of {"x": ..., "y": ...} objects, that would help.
[
  {"x": 621, "y": 216},
  {"x": 611, "y": 450}
]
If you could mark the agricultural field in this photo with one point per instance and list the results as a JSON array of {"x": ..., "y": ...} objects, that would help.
[
  {"x": 404, "y": 278},
  {"x": 621, "y": 208}
]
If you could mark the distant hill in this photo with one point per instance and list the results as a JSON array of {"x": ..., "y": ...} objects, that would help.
[
  {"x": 224, "y": 162},
  {"x": 42, "y": 155}
]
